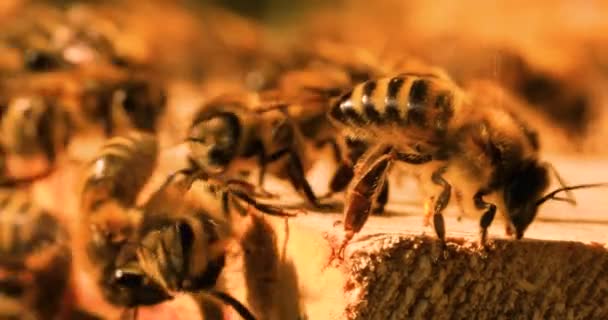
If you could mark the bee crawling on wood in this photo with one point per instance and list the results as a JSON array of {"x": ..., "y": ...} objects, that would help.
[
  {"x": 35, "y": 260},
  {"x": 425, "y": 120}
]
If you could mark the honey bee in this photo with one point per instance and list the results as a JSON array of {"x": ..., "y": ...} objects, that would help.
[
  {"x": 228, "y": 133},
  {"x": 183, "y": 235},
  {"x": 35, "y": 260},
  {"x": 33, "y": 127},
  {"x": 468, "y": 139},
  {"x": 45, "y": 39},
  {"x": 112, "y": 182}
]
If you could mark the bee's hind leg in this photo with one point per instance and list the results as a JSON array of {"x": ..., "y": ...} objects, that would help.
[
  {"x": 441, "y": 202},
  {"x": 382, "y": 199},
  {"x": 363, "y": 196},
  {"x": 488, "y": 215}
]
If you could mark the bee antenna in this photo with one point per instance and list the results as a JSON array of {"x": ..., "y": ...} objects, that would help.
[
  {"x": 570, "y": 196},
  {"x": 551, "y": 195},
  {"x": 234, "y": 303}
]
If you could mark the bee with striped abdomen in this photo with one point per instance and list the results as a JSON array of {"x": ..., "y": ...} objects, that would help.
[
  {"x": 228, "y": 133},
  {"x": 468, "y": 139},
  {"x": 35, "y": 260},
  {"x": 112, "y": 182}
]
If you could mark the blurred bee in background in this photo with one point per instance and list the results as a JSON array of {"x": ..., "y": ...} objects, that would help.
[
  {"x": 33, "y": 128},
  {"x": 228, "y": 134},
  {"x": 112, "y": 182},
  {"x": 567, "y": 104},
  {"x": 27, "y": 41},
  {"x": 136, "y": 103},
  {"x": 101, "y": 97},
  {"x": 489, "y": 152},
  {"x": 35, "y": 260},
  {"x": 44, "y": 39}
]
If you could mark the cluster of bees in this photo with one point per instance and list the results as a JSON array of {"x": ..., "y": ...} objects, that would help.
[{"x": 62, "y": 79}]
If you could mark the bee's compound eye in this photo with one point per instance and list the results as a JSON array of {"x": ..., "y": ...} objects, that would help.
[{"x": 128, "y": 279}]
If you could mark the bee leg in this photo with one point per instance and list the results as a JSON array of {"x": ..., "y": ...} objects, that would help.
[
  {"x": 441, "y": 203},
  {"x": 266, "y": 208},
  {"x": 345, "y": 172},
  {"x": 362, "y": 196},
  {"x": 334, "y": 147},
  {"x": 262, "y": 162},
  {"x": 380, "y": 203},
  {"x": 226, "y": 204},
  {"x": 340, "y": 180},
  {"x": 488, "y": 215},
  {"x": 458, "y": 196},
  {"x": 413, "y": 158},
  {"x": 192, "y": 172},
  {"x": 234, "y": 303},
  {"x": 298, "y": 180}
]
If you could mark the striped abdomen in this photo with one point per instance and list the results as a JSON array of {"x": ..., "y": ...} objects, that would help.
[
  {"x": 415, "y": 101},
  {"x": 119, "y": 171}
]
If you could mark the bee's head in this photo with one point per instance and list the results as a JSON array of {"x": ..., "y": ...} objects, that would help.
[
  {"x": 521, "y": 194},
  {"x": 214, "y": 139},
  {"x": 126, "y": 284}
]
